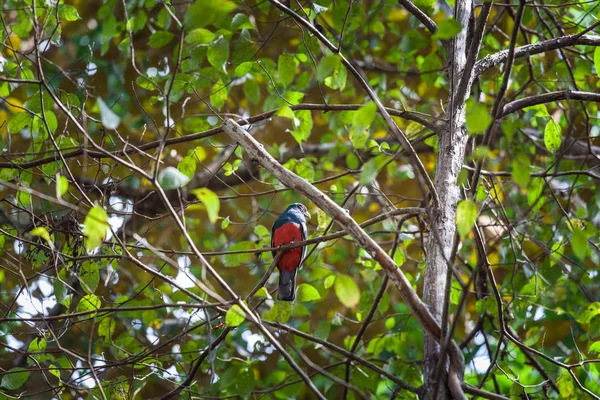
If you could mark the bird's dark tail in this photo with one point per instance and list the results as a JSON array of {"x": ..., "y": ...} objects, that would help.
[{"x": 287, "y": 286}]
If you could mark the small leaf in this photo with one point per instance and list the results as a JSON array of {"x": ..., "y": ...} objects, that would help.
[
  {"x": 552, "y": 136},
  {"x": 243, "y": 68},
  {"x": 521, "y": 169},
  {"x": 172, "y": 178},
  {"x": 43, "y": 233},
  {"x": 235, "y": 316},
  {"x": 478, "y": 117},
  {"x": 110, "y": 120},
  {"x": 37, "y": 345},
  {"x": 447, "y": 29},
  {"x": 303, "y": 126},
  {"x": 199, "y": 36},
  {"x": 579, "y": 244},
  {"x": 62, "y": 186},
  {"x": 89, "y": 276},
  {"x": 14, "y": 378},
  {"x": 329, "y": 281},
  {"x": 466, "y": 215},
  {"x": 187, "y": 166},
  {"x": 210, "y": 201},
  {"x": 89, "y": 302},
  {"x": 346, "y": 290},
  {"x": 286, "y": 68},
  {"x": 18, "y": 122},
  {"x": 106, "y": 328},
  {"x": 218, "y": 54},
  {"x": 160, "y": 39},
  {"x": 225, "y": 223},
  {"x": 327, "y": 65},
  {"x": 95, "y": 227},
  {"x": 53, "y": 369},
  {"x": 535, "y": 190},
  {"x": 597, "y": 60},
  {"x": 68, "y": 13},
  {"x": 307, "y": 293},
  {"x": 262, "y": 292}
]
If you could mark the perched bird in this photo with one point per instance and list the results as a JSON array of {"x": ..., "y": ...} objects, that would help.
[{"x": 290, "y": 227}]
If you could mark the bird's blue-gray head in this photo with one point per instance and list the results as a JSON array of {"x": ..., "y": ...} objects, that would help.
[{"x": 298, "y": 208}]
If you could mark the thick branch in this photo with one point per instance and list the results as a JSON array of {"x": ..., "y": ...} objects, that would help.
[
  {"x": 541, "y": 47},
  {"x": 520, "y": 104},
  {"x": 419, "y": 14}
]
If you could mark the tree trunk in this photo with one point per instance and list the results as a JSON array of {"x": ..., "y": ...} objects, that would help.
[{"x": 451, "y": 154}]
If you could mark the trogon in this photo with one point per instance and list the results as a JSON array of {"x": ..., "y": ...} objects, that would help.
[{"x": 290, "y": 227}]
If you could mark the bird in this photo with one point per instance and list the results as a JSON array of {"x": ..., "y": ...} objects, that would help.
[{"x": 289, "y": 227}]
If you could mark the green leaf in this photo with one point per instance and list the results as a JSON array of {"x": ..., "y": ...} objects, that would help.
[
  {"x": 14, "y": 378},
  {"x": 206, "y": 12},
  {"x": 535, "y": 190},
  {"x": 478, "y": 117},
  {"x": 23, "y": 198},
  {"x": 218, "y": 54},
  {"x": 53, "y": 369},
  {"x": 18, "y": 122},
  {"x": 95, "y": 227},
  {"x": 307, "y": 293},
  {"x": 447, "y": 29},
  {"x": 106, "y": 328},
  {"x": 594, "y": 347},
  {"x": 37, "y": 345},
  {"x": 565, "y": 384},
  {"x": 286, "y": 69},
  {"x": 466, "y": 215},
  {"x": 579, "y": 243},
  {"x": 62, "y": 186},
  {"x": 235, "y": 316},
  {"x": 68, "y": 13},
  {"x": 552, "y": 136},
  {"x": 262, "y": 292},
  {"x": 241, "y": 21},
  {"x": 329, "y": 281},
  {"x": 371, "y": 169},
  {"x": 236, "y": 260},
  {"x": 43, "y": 233},
  {"x": 346, "y": 290},
  {"x": 327, "y": 65},
  {"x": 160, "y": 39},
  {"x": 252, "y": 91},
  {"x": 89, "y": 276},
  {"x": 243, "y": 68},
  {"x": 303, "y": 126},
  {"x": 219, "y": 94},
  {"x": 89, "y": 302},
  {"x": 210, "y": 201},
  {"x": 110, "y": 120},
  {"x": 521, "y": 169},
  {"x": 597, "y": 60},
  {"x": 172, "y": 178},
  {"x": 225, "y": 223},
  {"x": 200, "y": 36},
  {"x": 187, "y": 166}
]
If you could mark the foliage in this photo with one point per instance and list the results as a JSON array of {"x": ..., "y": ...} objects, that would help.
[{"x": 114, "y": 172}]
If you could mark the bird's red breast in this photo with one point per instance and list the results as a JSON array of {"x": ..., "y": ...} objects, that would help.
[{"x": 286, "y": 234}]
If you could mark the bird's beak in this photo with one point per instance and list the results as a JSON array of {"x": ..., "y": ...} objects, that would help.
[{"x": 307, "y": 214}]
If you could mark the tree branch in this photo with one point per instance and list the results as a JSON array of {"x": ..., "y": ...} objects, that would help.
[
  {"x": 419, "y": 14},
  {"x": 520, "y": 104},
  {"x": 492, "y": 60}
]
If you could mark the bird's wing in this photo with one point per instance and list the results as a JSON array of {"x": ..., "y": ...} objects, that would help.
[{"x": 304, "y": 233}]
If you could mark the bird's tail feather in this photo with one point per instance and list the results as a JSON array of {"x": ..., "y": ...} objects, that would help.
[{"x": 287, "y": 286}]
